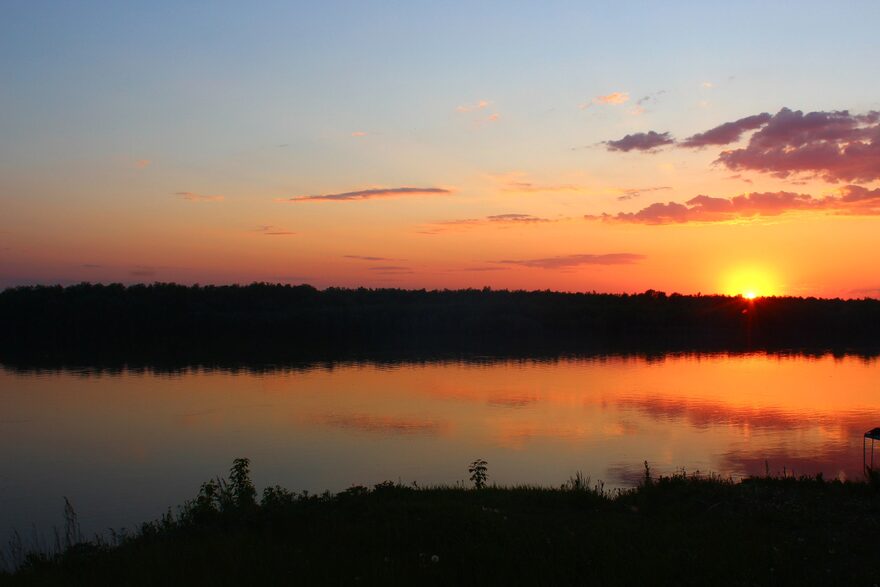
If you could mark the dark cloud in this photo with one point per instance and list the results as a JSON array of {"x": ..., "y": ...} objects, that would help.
[
  {"x": 641, "y": 141},
  {"x": 629, "y": 194},
  {"x": 575, "y": 260},
  {"x": 368, "y": 258},
  {"x": 481, "y": 269},
  {"x": 91, "y": 266},
  {"x": 836, "y": 146},
  {"x": 269, "y": 230},
  {"x": 142, "y": 272},
  {"x": 391, "y": 269},
  {"x": 516, "y": 218},
  {"x": 726, "y": 133},
  {"x": 194, "y": 197},
  {"x": 853, "y": 200},
  {"x": 650, "y": 98},
  {"x": 373, "y": 193}
]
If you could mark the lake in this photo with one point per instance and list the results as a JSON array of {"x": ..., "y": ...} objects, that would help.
[{"x": 124, "y": 446}]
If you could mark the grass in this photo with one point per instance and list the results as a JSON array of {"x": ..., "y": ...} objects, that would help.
[{"x": 682, "y": 529}]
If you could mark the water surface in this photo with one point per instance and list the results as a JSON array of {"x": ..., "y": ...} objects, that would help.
[{"x": 125, "y": 446}]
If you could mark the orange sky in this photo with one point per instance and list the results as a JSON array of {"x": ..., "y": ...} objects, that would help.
[{"x": 499, "y": 156}]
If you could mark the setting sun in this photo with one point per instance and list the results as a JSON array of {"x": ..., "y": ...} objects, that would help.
[{"x": 750, "y": 282}]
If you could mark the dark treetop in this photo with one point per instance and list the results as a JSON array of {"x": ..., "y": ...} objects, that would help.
[{"x": 276, "y": 322}]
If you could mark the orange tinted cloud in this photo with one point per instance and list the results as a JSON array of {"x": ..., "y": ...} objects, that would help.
[
  {"x": 566, "y": 261},
  {"x": 194, "y": 197},
  {"x": 614, "y": 98},
  {"x": 373, "y": 193},
  {"x": 471, "y": 107},
  {"x": 853, "y": 200}
]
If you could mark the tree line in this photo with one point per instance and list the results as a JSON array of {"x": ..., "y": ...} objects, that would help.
[{"x": 269, "y": 321}]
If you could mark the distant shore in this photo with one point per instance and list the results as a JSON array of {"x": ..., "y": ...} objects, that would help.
[
  {"x": 93, "y": 323},
  {"x": 683, "y": 529}
]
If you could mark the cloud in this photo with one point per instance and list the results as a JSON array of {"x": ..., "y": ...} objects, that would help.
[
  {"x": 516, "y": 218},
  {"x": 91, "y": 266},
  {"x": 850, "y": 200},
  {"x": 269, "y": 230},
  {"x": 496, "y": 219},
  {"x": 641, "y": 141},
  {"x": 726, "y": 133},
  {"x": 518, "y": 182},
  {"x": 835, "y": 146},
  {"x": 142, "y": 163},
  {"x": 372, "y": 194},
  {"x": 471, "y": 107},
  {"x": 368, "y": 258},
  {"x": 707, "y": 85},
  {"x": 648, "y": 98},
  {"x": 493, "y": 117},
  {"x": 194, "y": 197},
  {"x": 614, "y": 98},
  {"x": 564, "y": 261},
  {"x": 483, "y": 268},
  {"x": 143, "y": 272},
  {"x": 631, "y": 193},
  {"x": 391, "y": 269},
  {"x": 359, "y": 133}
]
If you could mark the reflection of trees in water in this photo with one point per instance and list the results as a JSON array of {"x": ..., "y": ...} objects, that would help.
[{"x": 787, "y": 444}]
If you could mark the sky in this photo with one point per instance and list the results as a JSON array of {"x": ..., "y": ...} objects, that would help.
[{"x": 709, "y": 147}]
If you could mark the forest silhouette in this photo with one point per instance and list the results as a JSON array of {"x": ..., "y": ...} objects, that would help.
[{"x": 166, "y": 321}]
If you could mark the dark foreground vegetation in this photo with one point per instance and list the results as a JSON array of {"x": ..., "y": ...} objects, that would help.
[
  {"x": 162, "y": 322},
  {"x": 679, "y": 530}
]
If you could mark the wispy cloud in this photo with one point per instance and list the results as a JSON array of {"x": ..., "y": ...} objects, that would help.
[
  {"x": 614, "y": 99},
  {"x": 519, "y": 182},
  {"x": 269, "y": 230},
  {"x": 391, "y": 269},
  {"x": 359, "y": 133},
  {"x": 566, "y": 261},
  {"x": 368, "y": 258},
  {"x": 142, "y": 163},
  {"x": 641, "y": 141},
  {"x": 850, "y": 200},
  {"x": 632, "y": 193},
  {"x": 372, "y": 194},
  {"x": 509, "y": 219},
  {"x": 141, "y": 271},
  {"x": 479, "y": 105},
  {"x": 483, "y": 268},
  {"x": 194, "y": 197}
]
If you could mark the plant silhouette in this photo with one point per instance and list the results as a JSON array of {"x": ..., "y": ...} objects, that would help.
[{"x": 479, "y": 473}]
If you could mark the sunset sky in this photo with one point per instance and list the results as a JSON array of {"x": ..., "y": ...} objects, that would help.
[{"x": 608, "y": 146}]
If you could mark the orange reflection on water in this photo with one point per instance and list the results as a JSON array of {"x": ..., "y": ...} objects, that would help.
[{"x": 126, "y": 446}]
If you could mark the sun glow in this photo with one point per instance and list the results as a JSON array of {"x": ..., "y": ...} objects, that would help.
[{"x": 750, "y": 283}]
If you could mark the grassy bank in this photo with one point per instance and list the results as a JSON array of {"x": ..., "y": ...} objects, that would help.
[{"x": 672, "y": 530}]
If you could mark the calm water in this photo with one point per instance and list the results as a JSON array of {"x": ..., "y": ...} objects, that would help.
[{"x": 124, "y": 447}]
